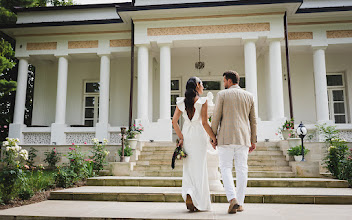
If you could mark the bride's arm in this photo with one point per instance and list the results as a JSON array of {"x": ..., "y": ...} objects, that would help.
[
  {"x": 175, "y": 118},
  {"x": 204, "y": 114}
]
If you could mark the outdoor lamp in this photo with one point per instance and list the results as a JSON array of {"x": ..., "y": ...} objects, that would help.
[{"x": 302, "y": 132}]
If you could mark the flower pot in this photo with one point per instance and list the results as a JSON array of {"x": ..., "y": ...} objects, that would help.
[
  {"x": 293, "y": 142},
  {"x": 133, "y": 143},
  {"x": 285, "y": 133},
  {"x": 127, "y": 159},
  {"x": 298, "y": 158},
  {"x": 138, "y": 136}
]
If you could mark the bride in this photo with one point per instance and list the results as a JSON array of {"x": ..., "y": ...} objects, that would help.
[{"x": 194, "y": 109}]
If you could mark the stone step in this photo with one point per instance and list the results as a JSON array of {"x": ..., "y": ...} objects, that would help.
[
  {"x": 173, "y": 194},
  {"x": 267, "y": 155},
  {"x": 268, "y": 174},
  {"x": 180, "y": 168},
  {"x": 111, "y": 210},
  {"x": 167, "y": 163},
  {"x": 252, "y": 182}
]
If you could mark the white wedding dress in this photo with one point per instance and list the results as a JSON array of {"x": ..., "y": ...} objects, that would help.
[{"x": 195, "y": 142}]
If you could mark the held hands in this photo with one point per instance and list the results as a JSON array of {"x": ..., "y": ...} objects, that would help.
[
  {"x": 214, "y": 143},
  {"x": 252, "y": 148}
]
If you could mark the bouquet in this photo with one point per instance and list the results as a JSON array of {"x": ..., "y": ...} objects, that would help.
[{"x": 179, "y": 153}]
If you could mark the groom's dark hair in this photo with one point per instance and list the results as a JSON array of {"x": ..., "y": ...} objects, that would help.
[{"x": 233, "y": 75}]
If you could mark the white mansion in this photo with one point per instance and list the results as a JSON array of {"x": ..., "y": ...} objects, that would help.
[{"x": 83, "y": 55}]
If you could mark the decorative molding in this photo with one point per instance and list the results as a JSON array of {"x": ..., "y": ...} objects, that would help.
[
  {"x": 206, "y": 17},
  {"x": 42, "y": 46},
  {"x": 300, "y": 35},
  {"x": 79, "y": 138},
  {"x": 82, "y": 44},
  {"x": 73, "y": 33},
  {"x": 321, "y": 22},
  {"x": 120, "y": 43},
  {"x": 115, "y": 138},
  {"x": 209, "y": 29},
  {"x": 37, "y": 138},
  {"x": 339, "y": 34}
]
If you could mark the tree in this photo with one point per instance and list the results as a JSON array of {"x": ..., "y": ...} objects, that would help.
[{"x": 8, "y": 67}]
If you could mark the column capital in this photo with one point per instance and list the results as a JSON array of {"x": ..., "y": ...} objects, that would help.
[
  {"x": 165, "y": 44},
  {"x": 23, "y": 58},
  {"x": 143, "y": 45},
  {"x": 319, "y": 47},
  {"x": 249, "y": 39},
  {"x": 104, "y": 54},
  {"x": 271, "y": 39},
  {"x": 62, "y": 55}
]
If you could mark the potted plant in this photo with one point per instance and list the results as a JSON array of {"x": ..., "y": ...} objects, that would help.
[
  {"x": 296, "y": 152},
  {"x": 287, "y": 129},
  {"x": 137, "y": 130},
  {"x": 131, "y": 139},
  {"x": 128, "y": 152},
  {"x": 293, "y": 139}
]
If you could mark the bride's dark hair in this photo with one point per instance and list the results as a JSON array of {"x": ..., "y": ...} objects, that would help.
[{"x": 190, "y": 94}]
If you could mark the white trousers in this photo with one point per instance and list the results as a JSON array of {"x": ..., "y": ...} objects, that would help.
[{"x": 227, "y": 154}]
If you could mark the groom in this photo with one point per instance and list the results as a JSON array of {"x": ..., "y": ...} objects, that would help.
[{"x": 237, "y": 136}]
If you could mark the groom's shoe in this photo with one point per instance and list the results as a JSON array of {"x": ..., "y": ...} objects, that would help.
[{"x": 233, "y": 206}]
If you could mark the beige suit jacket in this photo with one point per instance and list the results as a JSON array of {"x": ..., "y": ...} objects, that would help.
[{"x": 235, "y": 113}]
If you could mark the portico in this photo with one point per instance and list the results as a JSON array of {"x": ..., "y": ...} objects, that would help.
[{"x": 83, "y": 74}]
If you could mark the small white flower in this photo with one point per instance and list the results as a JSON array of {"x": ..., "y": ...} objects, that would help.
[
  {"x": 17, "y": 140},
  {"x": 7, "y": 148},
  {"x": 5, "y": 143}
]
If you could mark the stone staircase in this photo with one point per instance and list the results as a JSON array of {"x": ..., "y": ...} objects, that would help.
[{"x": 266, "y": 161}]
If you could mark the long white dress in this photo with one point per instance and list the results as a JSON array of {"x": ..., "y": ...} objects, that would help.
[{"x": 195, "y": 142}]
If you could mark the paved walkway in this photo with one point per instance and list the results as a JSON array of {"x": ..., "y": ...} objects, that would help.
[
  {"x": 177, "y": 190},
  {"x": 130, "y": 210}
]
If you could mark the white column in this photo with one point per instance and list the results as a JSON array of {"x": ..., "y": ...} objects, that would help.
[
  {"x": 250, "y": 60},
  {"x": 165, "y": 82},
  {"x": 21, "y": 91},
  {"x": 102, "y": 127},
  {"x": 276, "y": 104},
  {"x": 61, "y": 94},
  {"x": 321, "y": 97},
  {"x": 143, "y": 60},
  {"x": 104, "y": 89},
  {"x": 58, "y": 128}
]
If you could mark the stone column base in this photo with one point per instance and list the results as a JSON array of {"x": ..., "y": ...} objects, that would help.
[
  {"x": 15, "y": 131},
  {"x": 58, "y": 136},
  {"x": 102, "y": 131}
]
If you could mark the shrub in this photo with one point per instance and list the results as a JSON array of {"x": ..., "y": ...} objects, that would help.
[
  {"x": 32, "y": 153},
  {"x": 52, "y": 157},
  {"x": 77, "y": 163},
  {"x": 12, "y": 175},
  {"x": 297, "y": 151},
  {"x": 99, "y": 154},
  {"x": 336, "y": 153},
  {"x": 65, "y": 177},
  {"x": 25, "y": 193},
  {"x": 127, "y": 151},
  {"x": 346, "y": 168},
  {"x": 328, "y": 132}
]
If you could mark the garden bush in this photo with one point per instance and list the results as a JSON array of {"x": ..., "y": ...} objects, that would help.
[
  {"x": 336, "y": 153},
  {"x": 346, "y": 168},
  {"x": 52, "y": 157},
  {"x": 99, "y": 154}
]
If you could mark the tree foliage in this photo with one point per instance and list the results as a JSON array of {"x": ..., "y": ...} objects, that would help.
[{"x": 8, "y": 61}]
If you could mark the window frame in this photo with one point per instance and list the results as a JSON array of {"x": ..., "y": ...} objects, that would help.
[
  {"x": 331, "y": 100},
  {"x": 96, "y": 95}
]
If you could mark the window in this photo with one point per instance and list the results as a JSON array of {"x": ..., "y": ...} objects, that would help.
[
  {"x": 212, "y": 85},
  {"x": 242, "y": 83},
  {"x": 337, "y": 98},
  {"x": 175, "y": 93},
  {"x": 91, "y": 103}
]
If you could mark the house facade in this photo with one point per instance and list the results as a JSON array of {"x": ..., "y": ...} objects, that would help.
[{"x": 82, "y": 56}]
